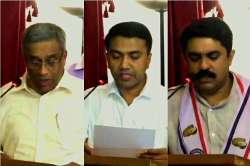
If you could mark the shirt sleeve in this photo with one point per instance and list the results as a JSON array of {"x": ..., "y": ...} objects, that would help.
[
  {"x": 2, "y": 126},
  {"x": 91, "y": 108}
]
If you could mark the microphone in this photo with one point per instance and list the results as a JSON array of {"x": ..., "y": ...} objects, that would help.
[
  {"x": 187, "y": 80},
  {"x": 100, "y": 82},
  {"x": 15, "y": 84}
]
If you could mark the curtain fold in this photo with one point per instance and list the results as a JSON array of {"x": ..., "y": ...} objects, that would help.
[
  {"x": 95, "y": 66},
  {"x": 12, "y": 28},
  {"x": 180, "y": 14}
]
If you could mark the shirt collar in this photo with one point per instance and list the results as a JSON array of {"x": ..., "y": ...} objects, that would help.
[
  {"x": 64, "y": 83},
  {"x": 24, "y": 85},
  {"x": 146, "y": 92}
]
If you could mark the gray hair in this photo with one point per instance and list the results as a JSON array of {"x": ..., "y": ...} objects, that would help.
[{"x": 42, "y": 32}]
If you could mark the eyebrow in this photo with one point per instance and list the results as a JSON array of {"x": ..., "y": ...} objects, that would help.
[
  {"x": 194, "y": 53},
  {"x": 213, "y": 52},
  {"x": 199, "y": 54},
  {"x": 133, "y": 52},
  {"x": 115, "y": 51},
  {"x": 50, "y": 56},
  {"x": 119, "y": 52}
]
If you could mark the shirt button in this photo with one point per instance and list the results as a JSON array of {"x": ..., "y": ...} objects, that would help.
[
  {"x": 213, "y": 134},
  {"x": 210, "y": 109}
]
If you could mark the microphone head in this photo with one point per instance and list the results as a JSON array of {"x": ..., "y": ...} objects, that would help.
[
  {"x": 188, "y": 80},
  {"x": 14, "y": 85},
  {"x": 17, "y": 83},
  {"x": 101, "y": 82}
]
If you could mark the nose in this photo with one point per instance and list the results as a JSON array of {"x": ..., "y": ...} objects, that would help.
[
  {"x": 125, "y": 62},
  {"x": 204, "y": 64},
  {"x": 43, "y": 69}
]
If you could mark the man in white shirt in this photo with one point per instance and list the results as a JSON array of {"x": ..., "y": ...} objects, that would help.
[
  {"x": 42, "y": 120},
  {"x": 132, "y": 100}
]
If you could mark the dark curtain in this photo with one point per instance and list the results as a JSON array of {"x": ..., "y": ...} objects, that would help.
[
  {"x": 12, "y": 28},
  {"x": 95, "y": 67},
  {"x": 180, "y": 14}
]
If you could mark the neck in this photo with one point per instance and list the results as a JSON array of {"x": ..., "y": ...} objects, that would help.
[
  {"x": 219, "y": 95},
  {"x": 129, "y": 94}
]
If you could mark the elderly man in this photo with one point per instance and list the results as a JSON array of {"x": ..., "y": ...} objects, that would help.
[{"x": 41, "y": 120}]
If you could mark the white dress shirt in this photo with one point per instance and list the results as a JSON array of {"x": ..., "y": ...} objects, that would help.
[
  {"x": 43, "y": 128},
  {"x": 147, "y": 111}
]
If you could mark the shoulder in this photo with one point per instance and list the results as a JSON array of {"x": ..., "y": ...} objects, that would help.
[
  {"x": 174, "y": 104},
  {"x": 75, "y": 80},
  {"x": 174, "y": 96},
  {"x": 7, "y": 100},
  {"x": 95, "y": 99},
  {"x": 162, "y": 91},
  {"x": 97, "y": 92},
  {"x": 72, "y": 83},
  {"x": 173, "y": 88},
  {"x": 4, "y": 89},
  {"x": 242, "y": 78},
  {"x": 99, "y": 89},
  {"x": 154, "y": 90},
  {"x": 5, "y": 86},
  {"x": 11, "y": 88},
  {"x": 176, "y": 89}
]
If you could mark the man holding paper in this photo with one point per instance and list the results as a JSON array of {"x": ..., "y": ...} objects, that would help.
[{"x": 132, "y": 100}]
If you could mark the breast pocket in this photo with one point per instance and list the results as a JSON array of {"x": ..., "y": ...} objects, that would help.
[{"x": 70, "y": 121}]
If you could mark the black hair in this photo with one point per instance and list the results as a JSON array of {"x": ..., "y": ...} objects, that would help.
[
  {"x": 212, "y": 27},
  {"x": 129, "y": 29}
]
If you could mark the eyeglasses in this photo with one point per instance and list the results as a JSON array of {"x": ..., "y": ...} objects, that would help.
[{"x": 36, "y": 63}]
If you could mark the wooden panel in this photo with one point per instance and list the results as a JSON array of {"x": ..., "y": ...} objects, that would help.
[
  {"x": 119, "y": 161},
  {"x": 207, "y": 160},
  {"x": 8, "y": 162}
]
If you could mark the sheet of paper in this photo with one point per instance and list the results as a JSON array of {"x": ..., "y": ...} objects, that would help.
[{"x": 122, "y": 142}]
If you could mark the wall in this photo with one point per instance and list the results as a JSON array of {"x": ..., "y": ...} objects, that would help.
[{"x": 237, "y": 14}]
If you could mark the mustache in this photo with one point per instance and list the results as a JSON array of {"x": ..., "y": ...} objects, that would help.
[{"x": 201, "y": 74}]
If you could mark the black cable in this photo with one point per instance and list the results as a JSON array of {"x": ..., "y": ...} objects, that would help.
[
  {"x": 14, "y": 84},
  {"x": 85, "y": 97}
]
